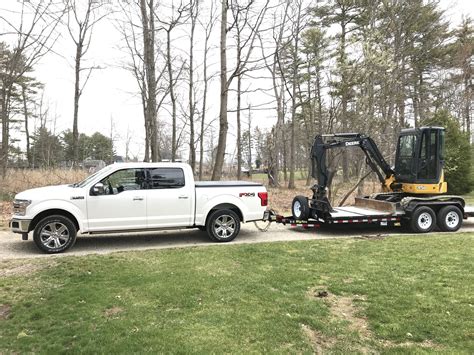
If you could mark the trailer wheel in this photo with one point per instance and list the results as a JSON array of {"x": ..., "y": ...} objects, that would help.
[
  {"x": 423, "y": 220},
  {"x": 300, "y": 208},
  {"x": 449, "y": 219}
]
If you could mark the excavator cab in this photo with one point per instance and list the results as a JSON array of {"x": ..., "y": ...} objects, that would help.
[{"x": 419, "y": 160}]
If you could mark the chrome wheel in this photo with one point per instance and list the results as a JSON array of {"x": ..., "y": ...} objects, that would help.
[
  {"x": 425, "y": 221},
  {"x": 297, "y": 209},
  {"x": 54, "y": 235},
  {"x": 224, "y": 226},
  {"x": 452, "y": 219}
]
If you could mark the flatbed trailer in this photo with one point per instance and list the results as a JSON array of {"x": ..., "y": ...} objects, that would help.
[{"x": 351, "y": 215}]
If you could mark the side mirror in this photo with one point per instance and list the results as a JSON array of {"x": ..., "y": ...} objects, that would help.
[{"x": 98, "y": 189}]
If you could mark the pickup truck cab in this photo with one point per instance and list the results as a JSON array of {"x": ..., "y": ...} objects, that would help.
[{"x": 128, "y": 197}]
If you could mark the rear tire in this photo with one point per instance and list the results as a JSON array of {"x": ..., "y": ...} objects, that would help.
[
  {"x": 423, "y": 220},
  {"x": 223, "y": 226},
  {"x": 55, "y": 234},
  {"x": 300, "y": 208},
  {"x": 450, "y": 219}
]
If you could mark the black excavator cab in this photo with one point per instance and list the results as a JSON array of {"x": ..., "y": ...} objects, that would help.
[{"x": 420, "y": 155}]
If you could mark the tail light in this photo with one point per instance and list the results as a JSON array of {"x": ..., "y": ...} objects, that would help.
[{"x": 263, "y": 198}]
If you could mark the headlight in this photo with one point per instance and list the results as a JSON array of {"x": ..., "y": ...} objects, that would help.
[{"x": 19, "y": 207}]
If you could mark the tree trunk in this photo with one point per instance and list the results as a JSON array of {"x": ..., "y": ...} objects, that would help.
[
  {"x": 192, "y": 147},
  {"x": 4, "y": 115},
  {"x": 344, "y": 98},
  {"x": 149, "y": 62},
  {"x": 27, "y": 131},
  {"x": 77, "y": 95},
  {"x": 239, "y": 129},
  {"x": 223, "y": 123},
  {"x": 172, "y": 96}
]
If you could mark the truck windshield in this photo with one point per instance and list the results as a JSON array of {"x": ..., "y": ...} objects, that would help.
[{"x": 91, "y": 177}]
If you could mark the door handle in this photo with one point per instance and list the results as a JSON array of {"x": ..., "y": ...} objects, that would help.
[
  {"x": 183, "y": 197},
  {"x": 138, "y": 198}
]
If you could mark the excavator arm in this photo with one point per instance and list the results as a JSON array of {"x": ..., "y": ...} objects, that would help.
[{"x": 323, "y": 175}]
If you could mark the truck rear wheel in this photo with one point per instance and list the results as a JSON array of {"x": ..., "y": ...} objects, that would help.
[
  {"x": 449, "y": 219},
  {"x": 55, "y": 234},
  {"x": 223, "y": 226},
  {"x": 300, "y": 208},
  {"x": 423, "y": 220}
]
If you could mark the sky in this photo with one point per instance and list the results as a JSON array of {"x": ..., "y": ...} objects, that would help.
[{"x": 110, "y": 103}]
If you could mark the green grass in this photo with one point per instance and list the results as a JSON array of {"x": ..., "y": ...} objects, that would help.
[
  {"x": 413, "y": 293},
  {"x": 469, "y": 198}
]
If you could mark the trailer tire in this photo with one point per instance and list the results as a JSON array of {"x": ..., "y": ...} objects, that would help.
[
  {"x": 450, "y": 218},
  {"x": 300, "y": 208},
  {"x": 423, "y": 220}
]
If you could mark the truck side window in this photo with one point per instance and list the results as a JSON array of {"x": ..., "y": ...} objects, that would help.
[
  {"x": 124, "y": 180},
  {"x": 166, "y": 178}
]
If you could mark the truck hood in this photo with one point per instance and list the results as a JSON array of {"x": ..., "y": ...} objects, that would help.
[{"x": 58, "y": 192}]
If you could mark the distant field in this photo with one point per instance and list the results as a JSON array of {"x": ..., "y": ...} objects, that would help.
[{"x": 393, "y": 294}]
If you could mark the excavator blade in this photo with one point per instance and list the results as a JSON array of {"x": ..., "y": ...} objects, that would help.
[{"x": 378, "y": 205}]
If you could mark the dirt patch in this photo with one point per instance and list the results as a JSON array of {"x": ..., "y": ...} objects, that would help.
[
  {"x": 372, "y": 237},
  {"x": 16, "y": 269},
  {"x": 343, "y": 308},
  {"x": 111, "y": 312},
  {"x": 427, "y": 344},
  {"x": 319, "y": 342},
  {"x": 318, "y": 292},
  {"x": 5, "y": 310}
]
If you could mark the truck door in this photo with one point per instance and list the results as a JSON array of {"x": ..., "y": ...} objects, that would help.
[
  {"x": 169, "y": 198},
  {"x": 122, "y": 203}
]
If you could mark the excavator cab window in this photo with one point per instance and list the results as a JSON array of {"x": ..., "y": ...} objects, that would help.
[
  {"x": 420, "y": 155},
  {"x": 405, "y": 156}
]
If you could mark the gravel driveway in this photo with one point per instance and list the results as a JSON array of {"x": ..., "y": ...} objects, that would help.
[{"x": 12, "y": 247}]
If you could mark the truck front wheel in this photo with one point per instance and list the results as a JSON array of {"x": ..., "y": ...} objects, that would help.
[
  {"x": 55, "y": 234},
  {"x": 223, "y": 225},
  {"x": 423, "y": 220}
]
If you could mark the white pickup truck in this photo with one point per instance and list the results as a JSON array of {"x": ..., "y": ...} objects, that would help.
[{"x": 136, "y": 197}]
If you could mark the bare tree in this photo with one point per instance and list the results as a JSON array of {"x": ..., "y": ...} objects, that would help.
[
  {"x": 138, "y": 32},
  {"x": 178, "y": 15},
  {"x": 208, "y": 27},
  {"x": 226, "y": 81},
  {"x": 34, "y": 37},
  {"x": 80, "y": 25},
  {"x": 193, "y": 15},
  {"x": 290, "y": 73}
]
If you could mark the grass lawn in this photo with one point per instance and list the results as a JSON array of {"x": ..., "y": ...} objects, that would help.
[{"x": 383, "y": 295}]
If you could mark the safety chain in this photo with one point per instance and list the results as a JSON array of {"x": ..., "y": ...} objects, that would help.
[
  {"x": 268, "y": 222},
  {"x": 263, "y": 229}
]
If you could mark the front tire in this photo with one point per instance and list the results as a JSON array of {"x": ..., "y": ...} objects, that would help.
[
  {"x": 423, "y": 220},
  {"x": 55, "y": 234},
  {"x": 223, "y": 226},
  {"x": 300, "y": 208},
  {"x": 450, "y": 219}
]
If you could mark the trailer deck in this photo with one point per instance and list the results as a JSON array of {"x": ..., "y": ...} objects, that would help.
[{"x": 349, "y": 215}]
